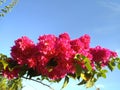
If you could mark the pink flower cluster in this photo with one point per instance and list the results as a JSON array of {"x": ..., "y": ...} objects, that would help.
[
  {"x": 53, "y": 56},
  {"x": 10, "y": 74},
  {"x": 24, "y": 52},
  {"x": 101, "y": 55}
]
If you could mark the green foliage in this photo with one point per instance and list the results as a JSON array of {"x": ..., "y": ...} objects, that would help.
[
  {"x": 82, "y": 82},
  {"x": 3, "y": 63},
  {"x": 7, "y": 8},
  {"x": 115, "y": 62},
  {"x": 78, "y": 70},
  {"x": 118, "y": 66},
  {"x": 111, "y": 65},
  {"x": 14, "y": 84},
  {"x": 101, "y": 73},
  {"x": 90, "y": 76},
  {"x": 118, "y": 63},
  {"x": 5, "y": 84},
  {"x": 90, "y": 82},
  {"x": 88, "y": 64},
  {"x": 66, "y": 81}
]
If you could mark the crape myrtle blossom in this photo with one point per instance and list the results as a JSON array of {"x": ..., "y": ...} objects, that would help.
[
  {"x": 24, "y": 52},
  {"x": 54, "y": 57},
  {"x": 81, "y": 45},
  {"x": 102, "y": 55},
  {"x": 10, "y": 74}
]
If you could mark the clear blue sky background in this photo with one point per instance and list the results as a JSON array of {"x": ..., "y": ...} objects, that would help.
[{"x": 98, "y": 18}]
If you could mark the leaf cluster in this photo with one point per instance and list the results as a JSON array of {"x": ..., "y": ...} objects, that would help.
[
  {"x": 7, "y": 8},
  {"x": 14, "y": 84},
  {"x": 88, "y": 76}
]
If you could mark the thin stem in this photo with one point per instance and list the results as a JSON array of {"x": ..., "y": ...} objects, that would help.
[{"x": 39, "y": 82}]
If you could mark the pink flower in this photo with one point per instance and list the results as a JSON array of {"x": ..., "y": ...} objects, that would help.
[
  {"x": 81, "y": 46},
  {"x": 102, "y": 55},
  {"x": 77, "y": 45},
  {"x": 32, "y": 62},
  {"x": 46, "y": 44},
  {"x": 23, "y": 50},
  {"x": 56, "y": 55},
  {"x": 85, "y": 39},
  {"x": 10, "y": 74}
]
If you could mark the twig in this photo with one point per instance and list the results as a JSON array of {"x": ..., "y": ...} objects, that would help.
[{"x": 39, "y": 82}]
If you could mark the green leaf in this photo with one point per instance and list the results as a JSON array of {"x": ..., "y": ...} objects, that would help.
[
  {"x": 102, "y": 73},
  {"x": 1, "y": 66},
  {"x": 78, "y": 70},
  {"x": 113, "y": 62},
  {"x": 87, "y": 64},
  {"x": 98, "y": 75},
  {"x": 110, "y": 66},
  {"x": 3, "y": 84},
  {"x": 82, "y": 82},
  {"x": 66, "y": 81},
  {"x": 118, "y": 66},
  {"x": 4, "y": 63},
  {"x": 3, "y": 57},
  {"x": 98, "y": 66},
  {"x": 117, "y": 59},
  {"x": 15, "y": 84},
  {"x": 90, "y": 83}
]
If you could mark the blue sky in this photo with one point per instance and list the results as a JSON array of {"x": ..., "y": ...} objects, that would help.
[{"x": 98, "y": 18}]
